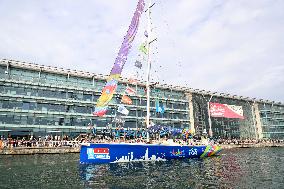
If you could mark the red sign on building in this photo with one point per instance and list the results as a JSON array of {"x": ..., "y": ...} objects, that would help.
[{"x": 225, "y": 110}]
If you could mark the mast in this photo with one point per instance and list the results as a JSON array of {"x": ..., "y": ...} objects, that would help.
[{"x": 148, "y": 66}]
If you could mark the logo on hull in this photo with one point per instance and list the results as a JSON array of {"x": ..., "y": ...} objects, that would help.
[
  {"x": 98, "y": 153},
  {"x": 177, "y": 153},
  {"x": 193, "y": 152}
]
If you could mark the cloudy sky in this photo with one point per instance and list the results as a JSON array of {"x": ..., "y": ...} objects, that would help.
[{"x": 230, "y": 46}]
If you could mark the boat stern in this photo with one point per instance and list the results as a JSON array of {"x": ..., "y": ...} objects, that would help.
[{"x": 211, "y": 150}]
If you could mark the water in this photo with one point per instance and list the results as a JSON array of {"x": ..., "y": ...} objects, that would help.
[{"x": 235, "y": 168}]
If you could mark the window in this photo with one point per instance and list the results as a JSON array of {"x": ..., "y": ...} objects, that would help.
[
  {"x": 26, "y": 106},
  {"x": 61, "y": 121},
  {"x": 87, "y": 97}
]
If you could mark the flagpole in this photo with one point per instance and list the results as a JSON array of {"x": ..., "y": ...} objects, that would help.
[
  {"x": 136, "y": 101},
  {"x": 148, "y": 68},
  {"x": 209, "y": 117}
]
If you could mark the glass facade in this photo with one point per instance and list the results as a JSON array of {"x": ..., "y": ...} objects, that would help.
[
  {"x": 272, "y": 120},
  {"x": 224, "y": 127},
  {"x": 42, "y": 99}
]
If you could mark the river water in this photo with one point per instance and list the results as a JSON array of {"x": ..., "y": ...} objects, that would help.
[{"x": 234, "y": 168}]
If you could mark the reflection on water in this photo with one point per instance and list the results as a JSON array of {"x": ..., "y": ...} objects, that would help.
[
  {"x": 236, "y": 168},
  {"x": 192, "y": 173}
]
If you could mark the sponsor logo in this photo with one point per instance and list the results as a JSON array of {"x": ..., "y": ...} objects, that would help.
[
  {"x": 193, "y": 151},
  {"x": 98, "y": 153},
  {"x": 177, "y": 153}
]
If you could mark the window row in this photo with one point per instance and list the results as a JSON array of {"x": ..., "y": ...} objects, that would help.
[
  {"x": 28, "y": 75},
  {"x": 45, "y": 107},
  {"x": 87, "y": 97},
  {"x": 272, "y": 129},
  {"x": 75, "y": 121}
]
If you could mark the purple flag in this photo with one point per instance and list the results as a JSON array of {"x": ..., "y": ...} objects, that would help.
[
  {"x": 109, "y": 89},
  {"x": 126, "y": 44}
]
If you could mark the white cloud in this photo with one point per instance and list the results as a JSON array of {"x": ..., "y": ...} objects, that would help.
[{"x": 225, "y": 46}]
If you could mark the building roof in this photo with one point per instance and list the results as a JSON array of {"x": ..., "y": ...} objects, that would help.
[{"x": 83, "y": 74}]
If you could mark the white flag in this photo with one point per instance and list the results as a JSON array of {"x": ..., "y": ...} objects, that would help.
[{"x": 122, "y": 109}]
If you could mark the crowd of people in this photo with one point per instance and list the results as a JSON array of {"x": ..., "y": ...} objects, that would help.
[
  {"x": 121, "y": 137},
  {"x": 31, "y": 141},
  {"x": 248, "y": 141}
]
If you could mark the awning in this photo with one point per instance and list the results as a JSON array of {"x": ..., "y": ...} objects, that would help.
[
  {"x": 54, "y": 131},
  {"x": 5, "y": 130}
]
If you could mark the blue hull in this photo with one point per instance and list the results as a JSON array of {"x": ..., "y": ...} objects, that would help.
[{"x": 113, "y": 153}]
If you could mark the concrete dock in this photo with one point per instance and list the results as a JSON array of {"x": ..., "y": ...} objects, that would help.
[
  {"x": 38, "y": 150},
  {"x": 258, "y": 145}
]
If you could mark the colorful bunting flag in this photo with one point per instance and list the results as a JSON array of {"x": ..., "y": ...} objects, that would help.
[
  {"x": 143, "y": 48},
  {"x": 162, "y": 109},
  {"x": 100, "y": 111},
  {"x": 118, "y": 119},
  {"x": 159, "y": 109},
  {"x": 130, "y": 90},
  {"x": 157, "y": 104},
  {"x": 132, "y": 81},
  {"x": 146, "y": 33},
  {"x": 109, "y": 89},
  {"x": 126, "y": 100},
  {"x": 138, "y": 64}
]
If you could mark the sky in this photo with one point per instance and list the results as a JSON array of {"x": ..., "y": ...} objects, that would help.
[{"x": 225, "y": 46}]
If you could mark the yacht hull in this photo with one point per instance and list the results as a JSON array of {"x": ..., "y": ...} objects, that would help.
[{"x": 93, "y": 153}]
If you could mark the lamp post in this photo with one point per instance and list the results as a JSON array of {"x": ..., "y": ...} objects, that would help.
[
  {"x": 209, "y": 117},
  {"x": 208, "y": 111}
]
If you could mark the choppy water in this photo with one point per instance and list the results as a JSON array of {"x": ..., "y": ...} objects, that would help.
[{"x": 236, "y": 168}]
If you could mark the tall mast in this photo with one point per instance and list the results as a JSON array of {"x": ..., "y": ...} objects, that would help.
[{"x": 148, "y": 65}]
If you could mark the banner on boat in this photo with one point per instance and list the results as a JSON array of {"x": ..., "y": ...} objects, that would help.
[
  {"x": 225, "y": 110},
  {"x": 111, "y": 85}
]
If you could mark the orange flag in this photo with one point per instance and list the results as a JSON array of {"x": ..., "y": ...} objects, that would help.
[{"x": 126, "y": 100}]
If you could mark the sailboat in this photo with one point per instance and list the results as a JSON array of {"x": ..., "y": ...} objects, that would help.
[{"x": 98, "y": 153}]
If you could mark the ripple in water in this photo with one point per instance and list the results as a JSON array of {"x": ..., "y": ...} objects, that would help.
[{"x": 236, "y": 168}]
